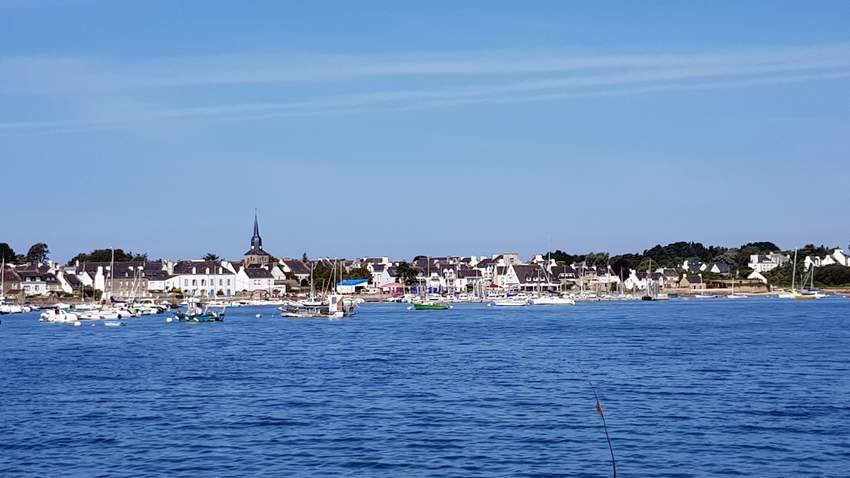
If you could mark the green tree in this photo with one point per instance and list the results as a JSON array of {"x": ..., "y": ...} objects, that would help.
[
  {"x": 211, "y": 257},
  {"x": 358, "y": 273},
  {"x": 38, "y": 252},
  {"x": 105, "y": 255},
  {"x": 406, "y": 273},
  {"x": 7, "y": 253}
]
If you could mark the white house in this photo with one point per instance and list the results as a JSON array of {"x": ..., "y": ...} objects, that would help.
[
  {"x": 756, "y": 275},
  {"x": 383, "y": 274},
  {"x": 38, "y": 281},
  {"x": 257, "y": 278},
  {"x": 635, "y": 280},
  {"x": 761, "y": 263},
  {"x": 204, "y": 278},
  {"x": 836, "y": 257}
]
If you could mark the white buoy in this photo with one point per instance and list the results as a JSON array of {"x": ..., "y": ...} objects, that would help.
[
  {"x": 77, "y": 324},
  {"x": 258, "y": 316},
  {"x": 410, "y": 308},
  {"x": 169, "y": 319}
]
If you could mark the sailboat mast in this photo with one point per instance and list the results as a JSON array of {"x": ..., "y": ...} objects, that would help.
[{"x": 794, "y": 270}]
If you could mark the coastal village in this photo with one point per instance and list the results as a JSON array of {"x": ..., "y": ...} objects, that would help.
[{"x": 257, "y": 275}]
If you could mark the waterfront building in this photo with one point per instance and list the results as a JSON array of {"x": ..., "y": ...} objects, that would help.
[
  {"x": 38, "y": 281},
  {"x": 255, "y": 278},
  {"x": 69, "y": 282},
  {"x": 692, "y": 282},
  {"x": 296, "y": 270},
  {"x": 204, "y": 278},
  {"x": 352, "y": 286},
  {"x": 383, "y": 274}
]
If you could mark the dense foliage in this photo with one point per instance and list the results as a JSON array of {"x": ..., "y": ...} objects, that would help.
[
  {"x": 326, "y": 276},
  {"x": 105, "y": 255},
  {"x": 7, "y": 253},
  {"x": 671, "y": 255},
  {"x": 406, "y": 273}
]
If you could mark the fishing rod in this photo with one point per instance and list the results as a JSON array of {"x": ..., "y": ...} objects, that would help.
[{"x": 601, "y": 413}]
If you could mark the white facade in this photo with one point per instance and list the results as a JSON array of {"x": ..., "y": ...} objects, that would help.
[
  {"x": 206, "y": 281},
  {"x": 762, "y": 264},
  {"x": 246, "y": 283}
]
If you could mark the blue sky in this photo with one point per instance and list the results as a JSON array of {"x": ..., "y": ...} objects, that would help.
[{"x": 399, "y": 128}]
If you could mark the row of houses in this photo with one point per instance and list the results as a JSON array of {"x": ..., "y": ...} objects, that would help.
[
  {"x": 508, "y": 271},
  {"x": 256, "y": 274},
  {"x": 837, "y": 256}
]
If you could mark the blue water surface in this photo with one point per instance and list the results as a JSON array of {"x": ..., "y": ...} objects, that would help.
[{"x": 754, "y": 387}]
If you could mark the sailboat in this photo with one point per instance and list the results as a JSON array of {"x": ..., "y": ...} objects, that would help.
[
  {"x": 790, "y": 294},
  {"x": 424, "y": 303},
  {"x": 811, "y": 292},
  {"x": 733, "y": 295},
  {"x": 549, "y": 299}
]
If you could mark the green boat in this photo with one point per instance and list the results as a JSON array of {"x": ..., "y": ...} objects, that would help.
[{"x": 430, "y": 306}]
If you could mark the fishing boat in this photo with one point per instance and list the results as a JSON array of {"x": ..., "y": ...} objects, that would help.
[
  {"x": 59, "y": 316},
  {"x": 336, "y": 307},
  {"x": 430, "y": 305},
  {"x": 195, "y": 313}
]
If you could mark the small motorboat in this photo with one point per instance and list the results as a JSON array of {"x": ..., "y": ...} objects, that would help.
[
  {"x": 510, "y": 302},
  {"x": 430, "y": 305},
  {"x": 112, "y": 323},
  {"x": 553, "y": 300}
]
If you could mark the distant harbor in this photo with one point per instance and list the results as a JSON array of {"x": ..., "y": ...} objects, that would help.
[{"x": 110, "y": 276}]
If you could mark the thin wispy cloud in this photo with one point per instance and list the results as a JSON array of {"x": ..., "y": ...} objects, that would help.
[{"x": 327, "y": 84}]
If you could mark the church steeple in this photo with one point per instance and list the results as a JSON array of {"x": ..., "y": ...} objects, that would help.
[
  {"x": 256, "y": 240},
  {"x": 256, "y": 255}
]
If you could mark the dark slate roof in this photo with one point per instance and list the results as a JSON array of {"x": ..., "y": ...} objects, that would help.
[
  {"x": 258, "y": 273},
  {"x": 297, "y": 267},
  {"x": 215, "y": 267},
  {"x": 378, "y": 267},
  {"x": 693, "y": 279},
  {"x": 158, "y": 275},
  {"x": 528, "y": 273},
  {"x": 36, "y": 275},
  {"x": 722, "y": 267},
  {"x": 564, "y": 272},
  {"x": 72, "y": 280},
  {"x": 9, "y": 275}
]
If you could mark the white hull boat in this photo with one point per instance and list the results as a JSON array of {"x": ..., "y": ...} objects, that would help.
[{"x": 553, "y": 301}]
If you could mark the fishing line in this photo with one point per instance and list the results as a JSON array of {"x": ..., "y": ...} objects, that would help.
[{"x": 601, "y": 413}]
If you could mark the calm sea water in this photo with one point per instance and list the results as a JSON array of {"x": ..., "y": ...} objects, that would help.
[{"x": 754, "y": 387}]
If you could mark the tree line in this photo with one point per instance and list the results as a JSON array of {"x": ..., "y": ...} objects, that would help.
[{"x": 38, "y": 252}]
